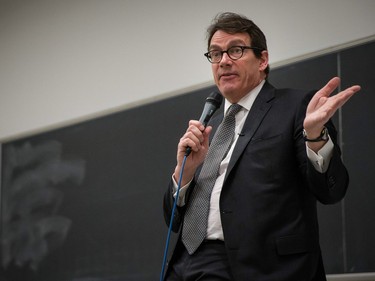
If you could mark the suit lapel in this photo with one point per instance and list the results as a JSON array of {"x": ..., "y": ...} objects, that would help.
[{"x": 258, "y": 111}]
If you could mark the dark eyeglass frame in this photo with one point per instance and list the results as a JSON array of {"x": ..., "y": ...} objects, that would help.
[{"x": 209, "y": 58}]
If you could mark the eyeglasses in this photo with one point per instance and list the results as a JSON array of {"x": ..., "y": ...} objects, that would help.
[{"x": 235, "y": 53}]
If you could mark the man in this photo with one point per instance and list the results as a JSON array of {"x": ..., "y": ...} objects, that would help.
[{"x": 262, "y": 219}]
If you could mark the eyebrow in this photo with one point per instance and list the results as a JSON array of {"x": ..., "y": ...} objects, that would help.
[{"x": 235, "y": 42}]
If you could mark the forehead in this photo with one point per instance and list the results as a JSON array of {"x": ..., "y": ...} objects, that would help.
[{"x": 224, "y": 39}]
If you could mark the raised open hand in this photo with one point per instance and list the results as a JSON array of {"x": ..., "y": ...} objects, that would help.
[{"x": 323, "y": 106}]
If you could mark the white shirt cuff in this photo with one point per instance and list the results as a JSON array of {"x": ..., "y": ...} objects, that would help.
[
  {"x": 321, "y": 160},
  {"x": 181, "y": 194}
]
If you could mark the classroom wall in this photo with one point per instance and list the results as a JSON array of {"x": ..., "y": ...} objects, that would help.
[
  {"x": 67, "y": 61},
  {"x": 83, "y": 202},
  {"x": 62, "y": 62}
]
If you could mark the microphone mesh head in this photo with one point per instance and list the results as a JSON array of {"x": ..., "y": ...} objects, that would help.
[{"x": 215, "y": 98}]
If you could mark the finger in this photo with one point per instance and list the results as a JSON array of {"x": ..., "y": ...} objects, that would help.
[
  {"x": 196, "y": 124},
  {"x": 327, "y": 90},
  {"x": 190, "y": 141},
  {"x": 341, "y": 98},
  {"x": 320, "y": 96},
  {"x": 330, "y": 105},
  {"x": 206, "y": 136},
  {"x": 195, "y": 133}
]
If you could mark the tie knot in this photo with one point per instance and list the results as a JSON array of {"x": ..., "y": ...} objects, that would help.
[{"x": 233, "y": 109}]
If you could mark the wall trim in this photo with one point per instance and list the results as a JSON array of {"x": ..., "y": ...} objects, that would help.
[{"x": 370, "y": 276}]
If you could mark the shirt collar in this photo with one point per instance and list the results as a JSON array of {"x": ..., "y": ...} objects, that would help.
[{"x": 248, "y": 100}]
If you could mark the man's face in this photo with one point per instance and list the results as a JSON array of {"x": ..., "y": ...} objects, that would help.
[{"x": 236, "y": 78}]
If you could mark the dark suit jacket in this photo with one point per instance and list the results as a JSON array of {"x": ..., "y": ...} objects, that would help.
[{"x": 268, "y": 200}]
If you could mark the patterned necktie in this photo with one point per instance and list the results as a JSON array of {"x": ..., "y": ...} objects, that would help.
[{"x": 195, "y": 222}]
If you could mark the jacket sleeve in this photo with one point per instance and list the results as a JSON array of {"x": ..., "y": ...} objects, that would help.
[
  {"x": 329, "y": 187},
  {"x": 168, "y": 207}
]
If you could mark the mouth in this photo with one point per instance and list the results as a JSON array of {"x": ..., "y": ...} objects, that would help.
[{"x": 228, "y": 75}]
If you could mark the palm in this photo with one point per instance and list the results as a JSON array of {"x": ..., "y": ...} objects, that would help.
[{"x": 323, "y": 106}]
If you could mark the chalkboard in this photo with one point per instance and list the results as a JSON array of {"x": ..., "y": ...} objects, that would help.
[
  {"x": 84, "y": 202},
  {"x": 358, "y": 64}
]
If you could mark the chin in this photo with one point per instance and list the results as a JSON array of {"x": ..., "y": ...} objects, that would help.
[{"x": 228, "y": 91}]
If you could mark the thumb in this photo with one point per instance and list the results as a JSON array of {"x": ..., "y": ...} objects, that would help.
[{"x": 206, "y": 134}]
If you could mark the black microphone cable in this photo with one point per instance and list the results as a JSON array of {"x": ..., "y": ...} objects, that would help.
[{"x": 171, "y": 219}]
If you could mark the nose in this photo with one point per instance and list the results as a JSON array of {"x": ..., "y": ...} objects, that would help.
[{"x": 225, "y": 59}]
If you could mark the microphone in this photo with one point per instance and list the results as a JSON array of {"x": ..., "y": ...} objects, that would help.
[{"x": 213, "y": 102}]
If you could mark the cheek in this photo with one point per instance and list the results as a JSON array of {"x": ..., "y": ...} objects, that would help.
[
  {"x": 251, "y": 71},
  {"x": 215, "y": 76},
  {"x": 214, "y": 69}
]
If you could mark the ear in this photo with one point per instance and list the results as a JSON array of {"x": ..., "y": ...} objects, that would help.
[{"x": 263, "y": 61}]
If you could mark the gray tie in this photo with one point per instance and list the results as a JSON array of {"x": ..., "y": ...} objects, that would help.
[{"x": 195, "y": 222}]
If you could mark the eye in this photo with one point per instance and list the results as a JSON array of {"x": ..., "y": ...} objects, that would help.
[
  {"x": 235, "y": 51},
  {"x": 215, "y": 54}
]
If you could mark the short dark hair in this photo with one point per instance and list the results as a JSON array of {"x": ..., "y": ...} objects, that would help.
[{"x": 234, "y": 23}]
